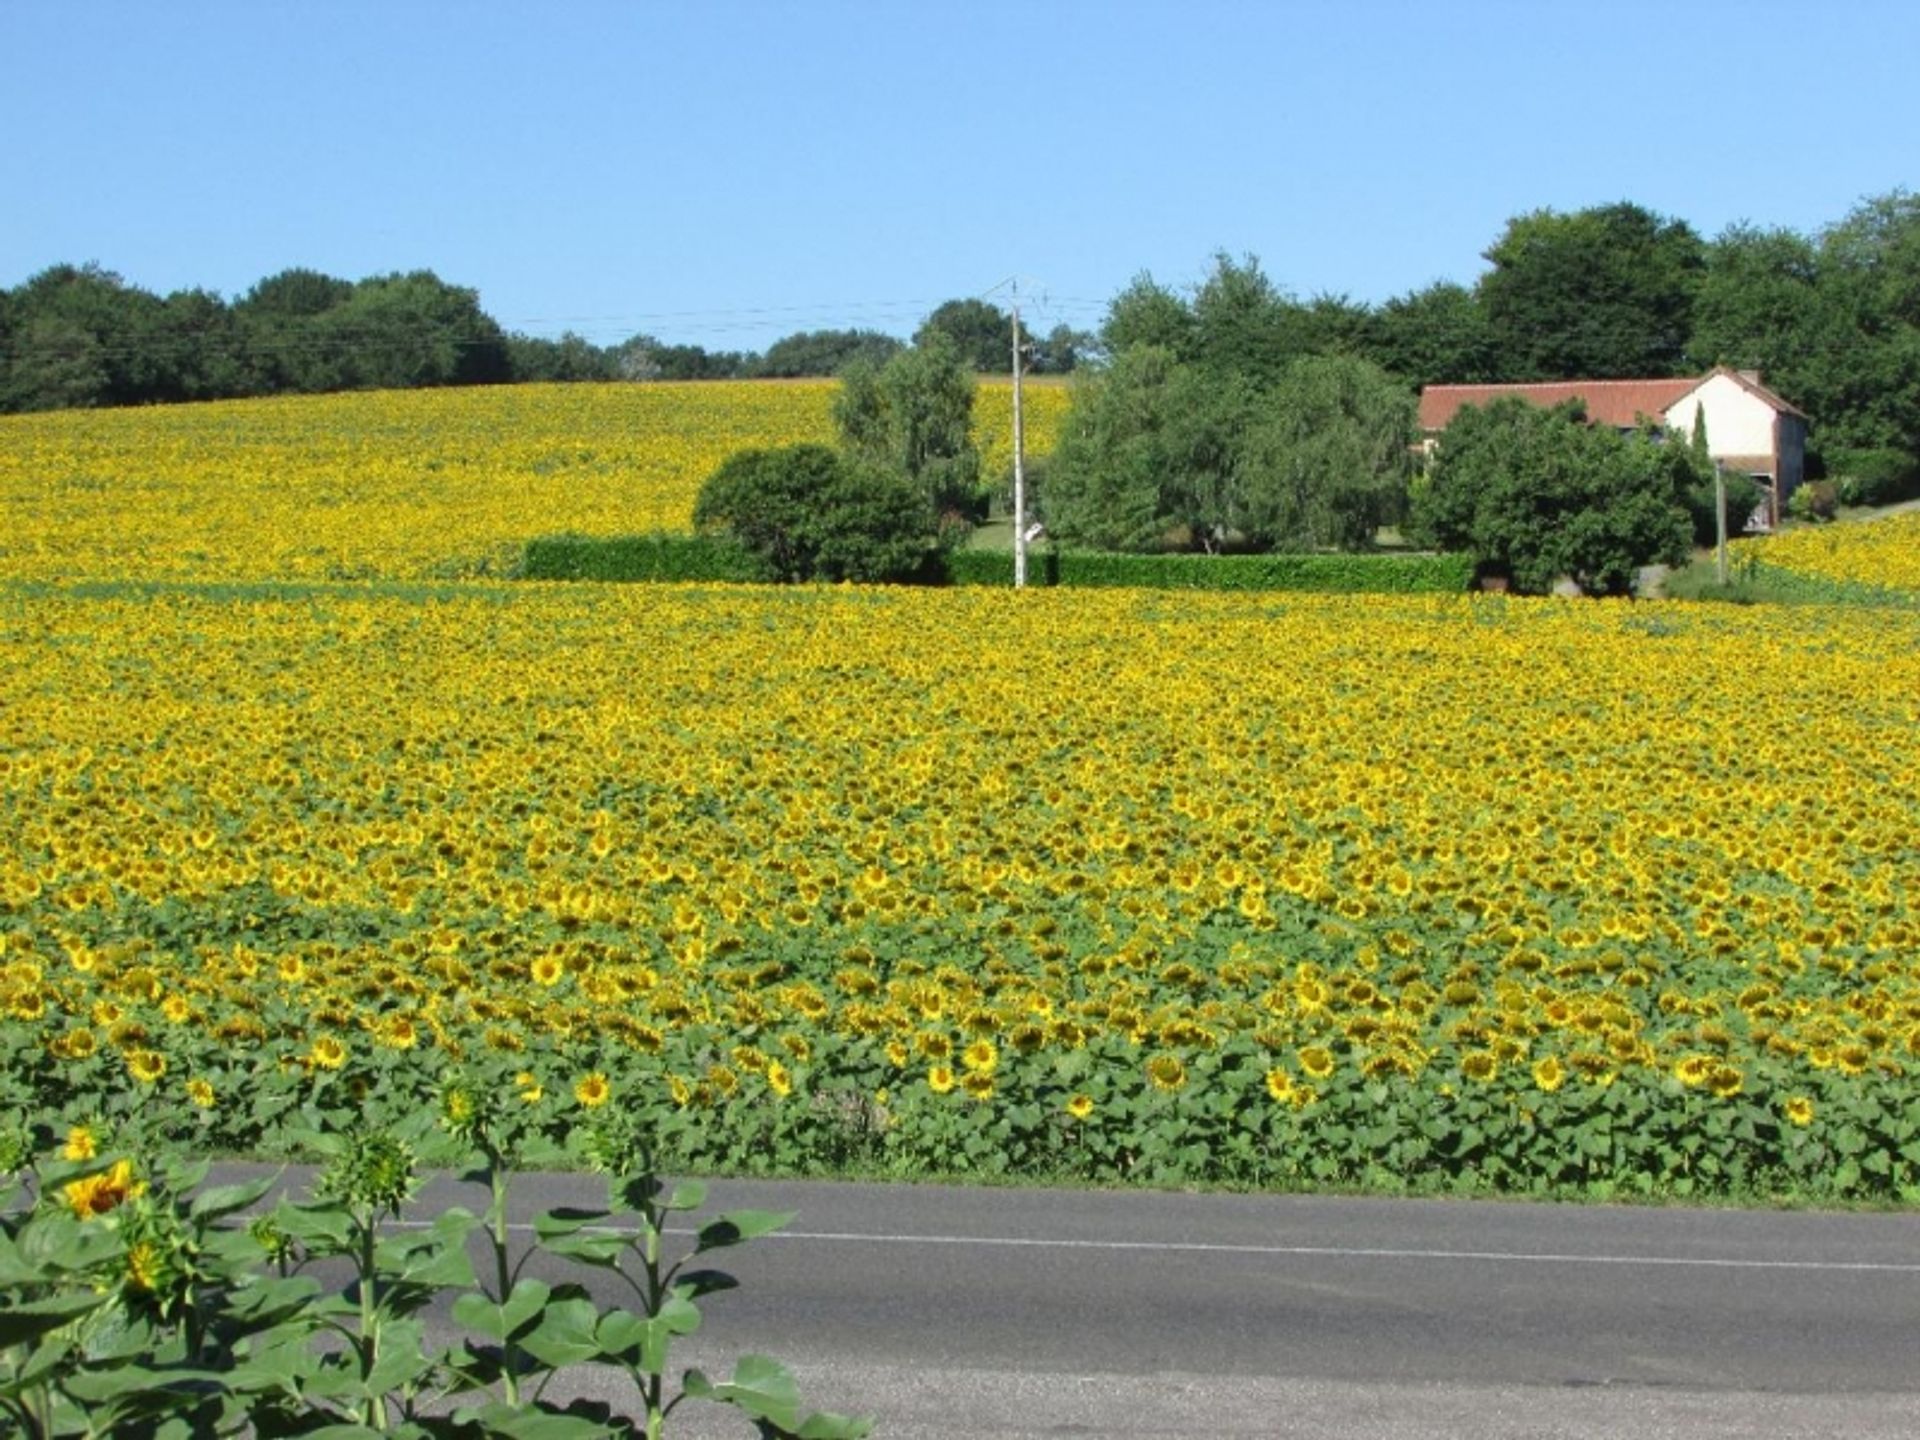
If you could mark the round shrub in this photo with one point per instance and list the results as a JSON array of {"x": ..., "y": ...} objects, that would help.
[{"x": 805, "y": 512}]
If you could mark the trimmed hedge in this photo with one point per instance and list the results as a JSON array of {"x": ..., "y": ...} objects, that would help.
[
  {"x": 1338, "y": 574},
  {"x": 702, "y": 558}
]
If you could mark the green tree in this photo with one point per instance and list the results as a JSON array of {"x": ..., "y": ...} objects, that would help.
[
  {"x": 199, "y": 349},
  {"x": 809, "y": 513},
  {"x": 1329, "y": 462},
  {"x": 1147, "y": 313},
  {"x": 285, "y": 346},
  {"x": 1245, "y": 325},
  {"x": 1868, "y": 385},
  {"x": 1338, "y": 325},
  {"x": 1148, "y": 458},
  {"x": 696, "y": 362},
  {"x": 1436, "y": 336},
  {"x": 1759, "y": 306},
  {"x": 295, "y": 294},
  {"x": 571, "y": 357},
  {"x": 55, "y": 364},
  {"x": 642, "y": 357},
  {"x": 1536, "y": 494},
  {"x": 82, "y": 336},
  {"x": 823, "y": 353},
  {"x": 1601, "y": 293},
  {"x": 913, "y": 416},
  {"x": 400, "y": 331},
  {"x": 982, "y": 333},
  {"x": 1062, "y": 350}
]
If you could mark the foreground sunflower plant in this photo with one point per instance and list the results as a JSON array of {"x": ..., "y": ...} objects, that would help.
[{"x": 136, "y": 1302}]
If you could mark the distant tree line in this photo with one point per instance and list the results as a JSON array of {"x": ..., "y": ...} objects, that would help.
[
  {"x": 1832, "y": 319},
  {"x": 79, "y": 335},
  {"x": 1236, "y": 415}
]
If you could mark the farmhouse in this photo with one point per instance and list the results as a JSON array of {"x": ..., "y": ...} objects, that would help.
[{"x": 1750, "y": 430}]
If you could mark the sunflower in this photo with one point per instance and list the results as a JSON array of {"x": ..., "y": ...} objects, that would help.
[
  {"x": 978, "y": 1085},
  {"x": 1480, "y": 1066},
  {"x": 1549, "y": 1074},
  {"x": 980, "y": 1057},
  {"x": 329, "y": 1052},
  {"x": 934, "y": 1044},
  {"x": 143, "y": 1267},
  {"x": 146, "y": 1066},
  {"x": 200, "y": 1093},
  {"x": 778, "y": 1080},
  {"x": 75, "y": 1044},
  {"x": 1080, "y": 1106},
  {"x": 458, "y": 1108},
  {"x": 592, "y": 1090},
  {"x": 1280, "y": 1086},
  {"x": 528, "y": 1087},
  {"x": 1317, "y": 1061},
  {"x": 1694, "y": 1070},
  {"x": 940, "y": 1079},
  {"x": 80, "y": 1144},
  {"x": 97, "y": 1194},
  {"x": 547, "y": 970},
  {"x": 1167, "y": 1072},
  {"x": 1798, "y": 1110}
]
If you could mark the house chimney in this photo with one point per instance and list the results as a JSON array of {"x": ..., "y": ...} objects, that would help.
[{"x": 1752, "y": 377}]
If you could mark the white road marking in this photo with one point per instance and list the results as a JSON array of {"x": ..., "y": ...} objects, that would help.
[
  {"x": 1345, "y": 1252},
  {"x": 1311, "y": 1252}
]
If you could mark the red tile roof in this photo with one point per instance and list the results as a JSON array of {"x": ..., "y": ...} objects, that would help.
[{"x": 1609, "y": 402}]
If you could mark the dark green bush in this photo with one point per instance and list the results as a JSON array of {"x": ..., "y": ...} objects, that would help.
[
  {"x": 805, "y": 512},
  {"x": 1534, "y": 495},
  {"x": 1873, "y": 477},
  {"x": 1815, "y": 500}
]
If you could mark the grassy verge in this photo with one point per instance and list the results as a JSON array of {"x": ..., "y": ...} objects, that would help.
[{"x": 1760, "y": 584}]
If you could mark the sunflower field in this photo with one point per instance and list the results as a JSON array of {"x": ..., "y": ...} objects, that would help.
[
  {"x": 404, "y": 484},
  {"x": 1877, "y": 555},
  {"x": 1309, "y": 890}
]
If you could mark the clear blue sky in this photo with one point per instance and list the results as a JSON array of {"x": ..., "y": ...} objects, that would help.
[{"x": 724, "y": 172}]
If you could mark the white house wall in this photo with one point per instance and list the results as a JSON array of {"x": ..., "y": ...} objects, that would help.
[{"x": 1738, "y": 422}]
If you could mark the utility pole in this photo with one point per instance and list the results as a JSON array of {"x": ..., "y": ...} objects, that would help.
[
  {"x": 1019, "y": 459},
  {"x": 1719, "y": 522}
]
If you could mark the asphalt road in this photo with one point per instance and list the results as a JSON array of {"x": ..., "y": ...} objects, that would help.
[{"x": 953, "y": 1311}]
